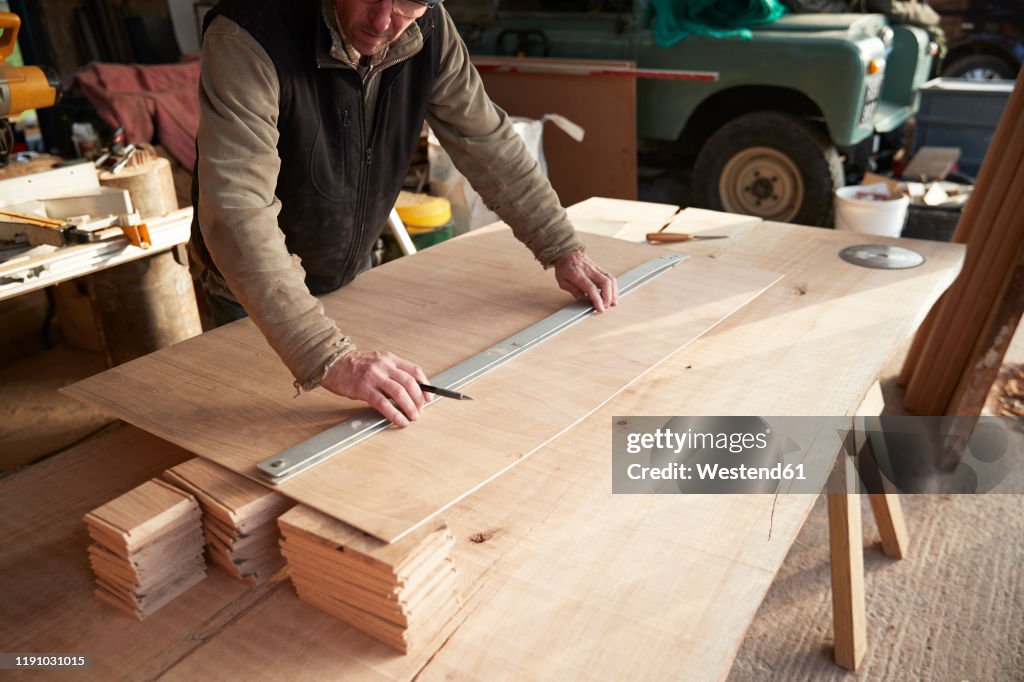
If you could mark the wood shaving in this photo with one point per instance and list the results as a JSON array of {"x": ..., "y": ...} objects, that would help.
[{"x": 1009, "y": 391}]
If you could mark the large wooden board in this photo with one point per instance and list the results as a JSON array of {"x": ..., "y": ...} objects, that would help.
[
  {"x": 563, "y": 579},
  {"x": 677, "y": 609},
  {"x": 624, "y": 220},
  {"x": 224, "y": 396},
  {"x": 216, "y": 396}
]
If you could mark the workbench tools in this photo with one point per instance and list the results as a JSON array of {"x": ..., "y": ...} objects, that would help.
[
  {"x": 147, "y": 547},
  {"x": 82, "y": 229},
  {"x": 338, "y": 438},
  {"x": 41, "y": 266},
  {"x": 674, "y": 237},
  {"x": 117, "y": 155},
  {"x": 32, "y": 229},
  {"x": 401, "y": 593},
  {"x": 881, "y": 256},
  {"x": 21, "y": 87},
  {"x": 100, "y": 215},
  {"x": 239, "y": 518}
]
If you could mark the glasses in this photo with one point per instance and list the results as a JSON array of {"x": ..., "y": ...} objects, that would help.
[{"x": 410, "y": 9}]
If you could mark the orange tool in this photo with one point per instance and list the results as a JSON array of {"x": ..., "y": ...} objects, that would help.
[{"x": 138, "y": 235}]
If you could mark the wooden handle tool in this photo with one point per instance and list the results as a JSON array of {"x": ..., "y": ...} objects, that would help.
[{"x": 668, "y": 237}]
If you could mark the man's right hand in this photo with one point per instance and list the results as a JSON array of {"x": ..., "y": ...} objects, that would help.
[{"x": 378, "y": 378}]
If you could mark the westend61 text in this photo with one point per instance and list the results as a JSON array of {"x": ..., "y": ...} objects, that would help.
[{"x": 716, "y": 472}]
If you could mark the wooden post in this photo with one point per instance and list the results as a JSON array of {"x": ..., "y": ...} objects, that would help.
[
  {"x": 150, "y": 184},
  {"x": 144, "y": 305}
]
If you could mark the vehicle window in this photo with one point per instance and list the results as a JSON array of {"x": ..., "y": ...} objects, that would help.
[{"x": 563, "y": 6}]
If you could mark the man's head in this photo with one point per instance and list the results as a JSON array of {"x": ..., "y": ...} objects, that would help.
[{"x": 371, "y": 25}]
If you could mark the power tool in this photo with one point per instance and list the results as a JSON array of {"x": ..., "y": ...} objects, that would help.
[{"x": 21, "y": 87}]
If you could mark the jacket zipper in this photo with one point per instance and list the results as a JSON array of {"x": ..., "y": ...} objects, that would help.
[
  {"x": 367, "y": 143},
  {"x": 362, "y": 182},
  {"x": 365, "y": 152}
]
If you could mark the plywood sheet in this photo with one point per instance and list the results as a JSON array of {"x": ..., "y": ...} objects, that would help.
[
  {"x": 626, "y": 220},
  {"x": 226, "y": 397}
]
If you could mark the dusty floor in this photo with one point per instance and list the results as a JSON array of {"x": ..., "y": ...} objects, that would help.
[
  {"x": 952, "y": 610},
  {"x": 35, "y": 420}
]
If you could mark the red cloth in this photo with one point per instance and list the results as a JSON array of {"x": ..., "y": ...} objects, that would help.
[{"x": 158, "y": 101}]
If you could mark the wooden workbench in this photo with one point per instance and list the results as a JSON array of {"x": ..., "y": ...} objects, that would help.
[
  {"x": 141, "y": 298},
  {"x": 562, "y": 579}
]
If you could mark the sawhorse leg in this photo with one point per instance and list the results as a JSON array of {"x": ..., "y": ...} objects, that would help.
[
  {"x": 847, "y": 559},
  {"x": 846, "y": 547},
  {"x": 891, "y": 526}
]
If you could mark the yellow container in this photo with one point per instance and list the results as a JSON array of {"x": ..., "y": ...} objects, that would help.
[
  {"x": 422, "y": 211},
  {"x": 427, "y": 219}
]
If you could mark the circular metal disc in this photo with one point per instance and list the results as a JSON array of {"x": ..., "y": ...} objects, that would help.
[{"x": 881, "y": 256}]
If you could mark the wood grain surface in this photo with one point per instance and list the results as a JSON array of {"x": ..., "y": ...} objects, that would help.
[
  {"x": 234, "y": 500},
  {"x": 226, "y": 397},
  {"x": 141, "y": 516},
  {"x": 48, "y": 602},
  {"x": 400, "y": 593},
  {"x": 561, "y": 578},
  {"x": 239, "y": 518}
]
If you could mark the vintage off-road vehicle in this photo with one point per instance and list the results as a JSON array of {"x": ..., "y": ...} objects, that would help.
[
  {"x": 986, "y": 38},
  {"x": 780, "y": 112}
]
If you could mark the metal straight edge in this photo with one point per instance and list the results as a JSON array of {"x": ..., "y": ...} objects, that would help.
[{"x": 336, "y": 439}]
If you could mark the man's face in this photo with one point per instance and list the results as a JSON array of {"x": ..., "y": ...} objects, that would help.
[{"x": 369, "y": 28}]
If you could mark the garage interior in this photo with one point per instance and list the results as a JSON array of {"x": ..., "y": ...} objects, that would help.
[{"x": 531, "y": 562}]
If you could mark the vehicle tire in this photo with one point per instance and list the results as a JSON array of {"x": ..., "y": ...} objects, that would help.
[
  {"x": 769, "y": 164},
  {"x": 980, "y": 67}
]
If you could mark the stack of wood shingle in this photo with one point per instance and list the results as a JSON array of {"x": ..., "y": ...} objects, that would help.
[
  {"x": 148, "y": 547},
  {"x": 959, "y": 348},
  {"x": 238, "y": 518},
  {"x": 401, "y": 593}
]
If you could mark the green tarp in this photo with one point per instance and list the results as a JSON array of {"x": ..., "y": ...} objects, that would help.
[{"x": 677, "y": 19}]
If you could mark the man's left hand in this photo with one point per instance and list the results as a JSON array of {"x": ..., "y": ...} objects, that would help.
[{"x": 580, "y": 276}]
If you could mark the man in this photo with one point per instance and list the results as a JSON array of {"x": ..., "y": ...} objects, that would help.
[{"x": 310, "y": 112}]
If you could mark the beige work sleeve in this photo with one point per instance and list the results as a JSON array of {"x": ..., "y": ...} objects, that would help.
[
  {"x": 485, "y": 148},
  {"x": 238, "y": 169}
]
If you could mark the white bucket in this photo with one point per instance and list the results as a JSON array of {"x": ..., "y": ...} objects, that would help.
[{"x": 883, "y": 217}]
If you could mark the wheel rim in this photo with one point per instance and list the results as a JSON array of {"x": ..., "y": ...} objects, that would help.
[
  {"x": 982, "y": 74},
  {"x": 762, "y": 181}
]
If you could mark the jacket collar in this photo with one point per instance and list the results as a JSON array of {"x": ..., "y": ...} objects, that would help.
[{"x": 332, "y": 50}]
